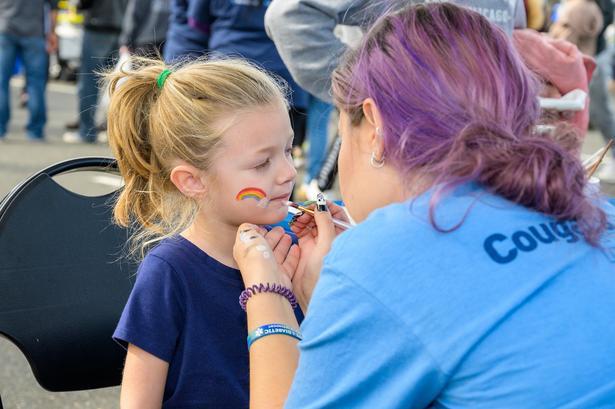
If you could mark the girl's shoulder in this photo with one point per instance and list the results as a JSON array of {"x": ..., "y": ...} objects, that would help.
[
  {"x": 163, "y": 259},
  {"x": 185, "y": 259},
  {"x": 170, "y": 248},
  {"x": 171, "y": 252}
]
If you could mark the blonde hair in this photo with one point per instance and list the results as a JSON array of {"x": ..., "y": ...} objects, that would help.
[{"x": 150, "y": 127}]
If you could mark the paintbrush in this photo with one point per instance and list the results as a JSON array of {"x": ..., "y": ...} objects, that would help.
[
  {"x": 590, "y": 166},
  {"x": 339, "y": 223}
]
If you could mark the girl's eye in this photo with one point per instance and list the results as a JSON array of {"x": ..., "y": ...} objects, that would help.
[
  {"x": 289, "y": 151},
  {"x": 262, "y": 165}
]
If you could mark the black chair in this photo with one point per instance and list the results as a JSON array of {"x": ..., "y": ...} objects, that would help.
[{"x": 63, "y": 279}]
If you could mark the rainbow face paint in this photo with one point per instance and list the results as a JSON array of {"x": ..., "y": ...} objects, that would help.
[{"x": 251, "y": 193}]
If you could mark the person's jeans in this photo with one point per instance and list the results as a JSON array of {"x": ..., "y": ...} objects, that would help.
[
  {"x": 317, "y": 125},
  {"x": 600, "y": 107},
  {"x": 36, "y": 63},
  {"x": 99, "y": 52}
]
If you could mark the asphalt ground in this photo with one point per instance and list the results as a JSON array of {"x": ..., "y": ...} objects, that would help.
[{"x": 19, "y": 158}]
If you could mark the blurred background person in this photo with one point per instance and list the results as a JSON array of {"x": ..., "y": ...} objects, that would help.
[
  {"x": 317, "y": 133},
  {"x": 102, "y": 27},
  {"x": 603, "y": 107},
  {"x": 583, "y": 22},
  {"x": 26, "y": 31},
  {"x": 303, "y": 31},
  {"x": 580, "y": 22},
  {"x": 308, "y": 37},
  {"x": 536, "y": 14},
  {"x": 144, "y": 27},
  {"x": 183, "y": 40},
  {"x": 232, "y": 28}
]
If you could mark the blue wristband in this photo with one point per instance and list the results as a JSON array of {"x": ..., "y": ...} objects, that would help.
[{"x": 272, "y": 329}]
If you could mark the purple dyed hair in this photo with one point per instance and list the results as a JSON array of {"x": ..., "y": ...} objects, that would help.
[{"x": 458, "y": 104}]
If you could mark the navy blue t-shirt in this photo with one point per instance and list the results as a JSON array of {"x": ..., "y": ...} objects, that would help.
[{"x": 184, "y": 310}]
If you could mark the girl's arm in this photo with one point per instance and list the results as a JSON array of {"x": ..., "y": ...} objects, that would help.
[{"x": 144, "y": 379}]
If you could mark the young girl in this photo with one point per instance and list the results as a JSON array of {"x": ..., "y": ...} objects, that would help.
[{"x": 202, "y": 148}]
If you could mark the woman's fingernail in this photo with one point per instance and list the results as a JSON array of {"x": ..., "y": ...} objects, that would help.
[
  {"x": 295, "y": 217},
  {"x": 321, "y": 203}
]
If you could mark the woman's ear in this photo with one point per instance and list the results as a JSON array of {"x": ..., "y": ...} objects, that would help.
[
  {"x": 188, "y": 180},
  {"x": 373, "y": 120}
]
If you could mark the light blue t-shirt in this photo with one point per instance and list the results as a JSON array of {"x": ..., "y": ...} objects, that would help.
[{"x": 510, "y": 310}]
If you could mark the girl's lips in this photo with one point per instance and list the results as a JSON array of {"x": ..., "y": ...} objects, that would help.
[{"x": 284, "y": 197}]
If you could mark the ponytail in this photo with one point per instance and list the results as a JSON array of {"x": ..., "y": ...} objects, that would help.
[
  {"x": 534, "y": 171},
  {"x": 129, "y": 139}
]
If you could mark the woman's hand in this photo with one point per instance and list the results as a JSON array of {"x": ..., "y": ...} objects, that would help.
[
  {"x": 265, "y": 257},
  {"x": 316, "y": 234},
  {"x": 305, "y": 224}
]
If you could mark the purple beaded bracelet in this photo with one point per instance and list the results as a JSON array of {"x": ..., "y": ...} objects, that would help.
[{"x": 267, "y": 288}]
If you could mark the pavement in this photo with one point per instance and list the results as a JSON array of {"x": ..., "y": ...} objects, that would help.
[{"x": 19, "y": 158}]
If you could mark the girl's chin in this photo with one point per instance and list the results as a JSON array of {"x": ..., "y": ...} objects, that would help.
[{"x": 269, "y": 215}]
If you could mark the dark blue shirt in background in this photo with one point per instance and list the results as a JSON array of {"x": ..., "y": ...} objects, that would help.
[
  {"x": 184, "y": 309},
  {"x": 228, "y": 27}
]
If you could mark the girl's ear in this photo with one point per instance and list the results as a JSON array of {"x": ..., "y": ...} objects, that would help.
[{"x": 188, "y": 180}]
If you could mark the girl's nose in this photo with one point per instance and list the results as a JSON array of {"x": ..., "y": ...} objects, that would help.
[{"x": 289, "y": 172}]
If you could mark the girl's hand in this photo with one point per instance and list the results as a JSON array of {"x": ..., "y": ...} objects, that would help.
[
  {"x": 269, "y": 258},
  {"x": 316, "y": 234}
]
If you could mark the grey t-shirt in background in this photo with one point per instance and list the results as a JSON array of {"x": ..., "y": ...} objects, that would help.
[
  {"x": 145, "y": 22},
  {"x": 24, "y": 18},
  {"x": 303, "y": 31}
]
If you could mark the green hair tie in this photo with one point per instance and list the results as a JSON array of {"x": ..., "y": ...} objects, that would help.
[{"x": 162, "y": 78}]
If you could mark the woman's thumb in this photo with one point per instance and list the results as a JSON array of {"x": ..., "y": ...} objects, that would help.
[{"x": 324, "y": 223}]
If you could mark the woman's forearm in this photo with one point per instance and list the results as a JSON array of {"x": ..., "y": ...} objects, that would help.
[{"x": 273, "y": 349}]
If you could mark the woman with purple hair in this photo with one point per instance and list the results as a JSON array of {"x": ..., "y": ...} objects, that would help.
[{"x": 481, "y": 272}]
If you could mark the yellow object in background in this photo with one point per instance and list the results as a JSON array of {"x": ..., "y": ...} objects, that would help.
[
  {"x": 535, "y": 10},
  {"x": 67, "y": 13}
]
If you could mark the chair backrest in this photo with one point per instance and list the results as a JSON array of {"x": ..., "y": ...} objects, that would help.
[{"x": 63, "y": 279}]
